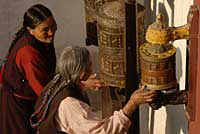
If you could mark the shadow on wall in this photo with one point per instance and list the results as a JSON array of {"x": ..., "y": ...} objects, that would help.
[
  {"x": 144, "y": 117},
  {"x": 175, "y": 119},
  {"x": 179, "y": 71},
  {"x": 163, "y": 11},
  {"x": 150, "y": 15}
]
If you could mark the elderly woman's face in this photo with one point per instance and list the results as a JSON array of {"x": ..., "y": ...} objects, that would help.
[
  {"x": 45, "y": 31},
  {"x": 88, "y": 71}
]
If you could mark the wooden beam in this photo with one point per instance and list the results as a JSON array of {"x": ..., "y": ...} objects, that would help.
[
  {"x": 131, "y": 58},
  {"x": 193, "y": 106}
]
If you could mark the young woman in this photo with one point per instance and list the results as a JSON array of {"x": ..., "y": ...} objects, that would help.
[
  {"x": 29, "y": 67},
  {"x": 63, "y": 107}
]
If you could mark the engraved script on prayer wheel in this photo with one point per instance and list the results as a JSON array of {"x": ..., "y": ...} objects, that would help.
[
  {"x": 157, "y": 57},
  {"x": 110, "y": 29},
  {"x": 91, "y": 14},
  {"x": 105, "y": 23}
]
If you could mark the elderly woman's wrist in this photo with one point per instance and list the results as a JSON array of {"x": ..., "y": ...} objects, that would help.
[{"x": 129, "y": 108}]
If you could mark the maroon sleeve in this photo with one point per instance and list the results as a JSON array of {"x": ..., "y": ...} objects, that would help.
[{"x": 31, "y": 63}]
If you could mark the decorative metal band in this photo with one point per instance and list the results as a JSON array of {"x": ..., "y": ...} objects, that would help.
[
  {"x": 111, "y": 54},
  {"x": 159, "y": 87},
  {"x": 111, "y": 14},
  {"x": 158, "y": 66},
  {"x": 161, "y": 73},
  {"x": 110, "y": 30},
  {"x": 157, "y": 57},
  {"x": 157, "y": 78}
]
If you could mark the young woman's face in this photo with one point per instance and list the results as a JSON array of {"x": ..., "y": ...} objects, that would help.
[{"x": 45, "y": 31}]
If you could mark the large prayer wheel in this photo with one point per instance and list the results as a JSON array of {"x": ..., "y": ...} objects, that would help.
[
  {"x": 158, "y": 70},
  {"x": 110, "y": 29},
  {"x": 157, "y": 57}
]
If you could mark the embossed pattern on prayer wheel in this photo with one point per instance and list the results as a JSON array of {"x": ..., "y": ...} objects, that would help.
[
  {"x": 91, "y": 8},
  {"x": 110, "y": 30},
  {"x": 158, "y": 69}
]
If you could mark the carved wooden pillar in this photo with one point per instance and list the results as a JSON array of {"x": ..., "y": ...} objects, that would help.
[{"x": 194, "y": 74}]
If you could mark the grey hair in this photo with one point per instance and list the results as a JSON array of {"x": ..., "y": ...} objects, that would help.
[{"x": 72, "y": 62}]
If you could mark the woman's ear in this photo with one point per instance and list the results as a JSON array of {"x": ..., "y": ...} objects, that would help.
[{"x": 30, "y": 30}]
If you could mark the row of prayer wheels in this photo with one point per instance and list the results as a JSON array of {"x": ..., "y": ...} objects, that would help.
[{"x": 156, "y": 56}]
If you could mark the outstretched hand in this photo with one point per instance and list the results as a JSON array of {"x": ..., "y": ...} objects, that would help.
[
  {"x": 141, "y": 96},
  {"x": 93, "y": 83},
  {"x": 138, "y": 97}
]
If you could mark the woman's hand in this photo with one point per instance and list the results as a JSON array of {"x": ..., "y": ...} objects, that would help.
[
  {"x": 141, "y": 96},
  {"x": 92, "y": 83},
  {"x": 138, "y": 97}
]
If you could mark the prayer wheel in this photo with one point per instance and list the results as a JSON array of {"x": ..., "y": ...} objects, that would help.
[
  {"x": 158, "y": 70},
  {"x": 105, "y": 28},
  {"x": 110, "y": 29},
  {"x": 157, "y": 57}
]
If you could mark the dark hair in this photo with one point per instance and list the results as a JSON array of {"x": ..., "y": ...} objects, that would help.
[
  {"x": 51, "y": 92},
  {"x": 32, "y": 18}
]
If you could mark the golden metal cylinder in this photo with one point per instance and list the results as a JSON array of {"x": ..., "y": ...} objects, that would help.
[
  {"x": 158, "y": 69},
  {"x": 110, "y": 30}
]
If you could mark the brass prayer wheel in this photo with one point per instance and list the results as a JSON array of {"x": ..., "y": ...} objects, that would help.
[
  {"x": 157, "y": 57},
  {"x": 105, "y": 23},
  {"x": 110, "y": 29},
  {"x": 158, "y": 70}
]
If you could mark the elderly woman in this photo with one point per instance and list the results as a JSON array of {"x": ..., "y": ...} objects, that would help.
[{"x": 63, "y": 106}]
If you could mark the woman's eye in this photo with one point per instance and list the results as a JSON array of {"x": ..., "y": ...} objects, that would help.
[{"x": 45, "y": 30}]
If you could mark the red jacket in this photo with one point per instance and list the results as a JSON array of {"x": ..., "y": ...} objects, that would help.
[{"x": 29, "y": 67}]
